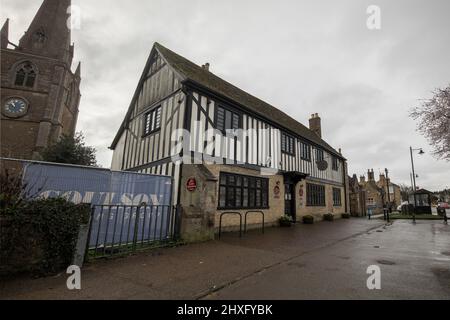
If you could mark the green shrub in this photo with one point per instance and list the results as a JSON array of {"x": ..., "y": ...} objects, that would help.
[
  {"x": 328, "y": 217},
  {"x": 308, "y": 219},
  {"x": 285, "y": 221},
  {"x": 40, "y": 236},
  {"x": 345, "y": 216},
  {"x": 11, "y": 188}
]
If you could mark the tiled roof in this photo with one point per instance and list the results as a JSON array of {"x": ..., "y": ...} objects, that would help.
[{"x": 190, "y": 71}]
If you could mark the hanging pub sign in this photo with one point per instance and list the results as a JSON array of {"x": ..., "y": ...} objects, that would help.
[
  {"x": 277, "y": 190},
  {"x": 191, "y": 184},
  {"x": 300, "y": 193}
]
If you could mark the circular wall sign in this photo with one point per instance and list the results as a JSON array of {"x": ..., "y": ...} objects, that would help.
[
  {"x": 191, "y": 184},
  {"x": 322, "y": 165}
]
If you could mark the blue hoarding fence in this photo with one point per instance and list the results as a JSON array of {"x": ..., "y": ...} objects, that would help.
[
  {"x": 117, "y": 229},
  {"x": 129, "y": 210},
  {"x": 95, "y": 185}
]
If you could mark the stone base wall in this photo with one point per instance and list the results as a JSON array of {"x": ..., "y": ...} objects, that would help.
[
  {"x": 201, "y": 217},
  {"x": 254, "y": 220},
  {"x": 318, "y": 212}
]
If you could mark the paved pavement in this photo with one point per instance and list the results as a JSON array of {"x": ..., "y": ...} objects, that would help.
[{"x": 321, "y": 261}]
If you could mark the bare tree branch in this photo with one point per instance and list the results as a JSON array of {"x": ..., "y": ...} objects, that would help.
[{"x": 433, "y": 116}]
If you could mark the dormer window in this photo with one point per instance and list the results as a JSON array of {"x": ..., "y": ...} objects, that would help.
[
  {"x": 335, "y": 164},
  {"x": 25, "y": 75},
  {"x": 152, "y": 121},
  {"x": 227, "y": 120},
  {"x": 319, "y": 155},
  {"x": 287, "y": 144},
  {"x": 305, "y": 152}
]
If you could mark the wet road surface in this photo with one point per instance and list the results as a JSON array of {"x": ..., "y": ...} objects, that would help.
[{"x": 321, "y": 261}]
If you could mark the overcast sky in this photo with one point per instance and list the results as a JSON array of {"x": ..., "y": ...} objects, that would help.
[{"x": 300, "y": 56}]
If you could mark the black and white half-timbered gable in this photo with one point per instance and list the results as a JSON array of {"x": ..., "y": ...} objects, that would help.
[{"x": 182, "y": 114}]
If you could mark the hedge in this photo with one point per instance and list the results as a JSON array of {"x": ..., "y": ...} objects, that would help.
[{"x": 40, "y": 236}]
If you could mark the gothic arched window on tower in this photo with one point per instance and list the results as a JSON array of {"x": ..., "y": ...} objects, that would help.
[
  {"x": 69, "y": 93},
  {"x": 39, "y": 38},
  {"x": 25, "y": 75}
]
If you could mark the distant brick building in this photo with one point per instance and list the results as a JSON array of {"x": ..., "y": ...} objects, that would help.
[
  {"x": 373, "y": 194},
  {"x": 395, "y": 195},
  {"x": 40, "y": 94},
  {"x": 357, "y": 194}
]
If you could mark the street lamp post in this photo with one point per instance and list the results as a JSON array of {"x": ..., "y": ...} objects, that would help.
[
  {"x": 388, "y": 192},
  {"x": 414, "y": 178}
]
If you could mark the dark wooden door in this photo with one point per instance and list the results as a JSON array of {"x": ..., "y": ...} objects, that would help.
[{"x": 289, "y": 200}]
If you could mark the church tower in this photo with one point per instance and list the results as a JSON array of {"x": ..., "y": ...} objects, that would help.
[{"x": 40, "y": 94}]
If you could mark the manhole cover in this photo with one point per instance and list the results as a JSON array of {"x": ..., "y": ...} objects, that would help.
[
  {"x": 446, "y": 253},
  {"x": 379, "y": 230},
  {"x": 386, "y": 262}
]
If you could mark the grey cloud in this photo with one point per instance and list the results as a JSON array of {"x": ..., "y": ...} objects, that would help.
[{"x": 301, "y": 56}]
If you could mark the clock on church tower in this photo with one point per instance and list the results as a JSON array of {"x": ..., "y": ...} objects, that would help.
[
  {"x": 40, "y": 94},
  {"x": 15, "y": 107}
]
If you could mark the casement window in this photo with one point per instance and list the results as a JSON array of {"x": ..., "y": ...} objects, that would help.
[
  {"x": 287, "y": 144},
  {"x": 243, "y": 192},
  {"x": 337, "y": 202},
  {"x": 319, "y": 155},
  {"x": 25, "y": 75},
  {"x": 152, "y": 121},
  {"x": 305, "y": 152},
  {"x": 227, "y": 120},
  {"x": 335, "y": 163},
  {"x": 315, "y": 195}
]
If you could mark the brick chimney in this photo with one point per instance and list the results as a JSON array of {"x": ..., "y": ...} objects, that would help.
[
  {"x": 206, "y": 66},
  {"x": 315, "y": 124},
  {"x": 382, "y": 179},
  {"x": 370, "y": 175}
]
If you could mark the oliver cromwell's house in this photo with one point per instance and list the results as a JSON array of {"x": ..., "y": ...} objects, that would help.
[{"x": 239, "y": 153}]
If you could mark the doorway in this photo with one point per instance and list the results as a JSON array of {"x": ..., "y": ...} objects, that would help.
[{"x": 289, "y": 201}]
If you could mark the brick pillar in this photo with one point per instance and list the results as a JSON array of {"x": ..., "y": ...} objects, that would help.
[{"x": 198, "y": 206}]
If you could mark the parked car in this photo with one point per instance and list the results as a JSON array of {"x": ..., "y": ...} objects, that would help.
[{"x": 444, "y": 205}]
